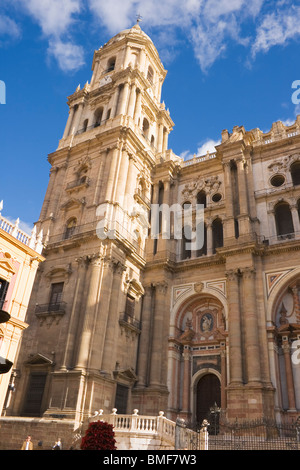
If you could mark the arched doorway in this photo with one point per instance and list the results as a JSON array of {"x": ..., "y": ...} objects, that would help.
[{"x": 208, "y": 393}]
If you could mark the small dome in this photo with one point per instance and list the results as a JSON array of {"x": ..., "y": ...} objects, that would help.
[{"x": 136, "y": 29}]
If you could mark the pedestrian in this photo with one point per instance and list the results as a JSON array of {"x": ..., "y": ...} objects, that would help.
[
  {"x": 27, "y": 444},
  {"x": 57, "y": 445}
]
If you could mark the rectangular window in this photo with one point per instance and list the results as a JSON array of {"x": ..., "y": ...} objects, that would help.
[
  {"x": 34, "y": 396},
  {"x": 3, "y": 291},
  {"x": 121, "y": 399},
  {"x": 56, "y": 294},
  {"x": 129, "y": 308}
]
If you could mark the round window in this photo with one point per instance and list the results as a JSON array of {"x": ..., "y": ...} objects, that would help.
[
  {"x": 277, "y": 180},
  {"x": 216, "y": 197}
]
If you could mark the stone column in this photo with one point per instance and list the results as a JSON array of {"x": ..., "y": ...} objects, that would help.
[
  {"x": 49, "y": 193},
  {"x": 102, "y": 314},
  {"x": 57, "y": 189},
  {"x": 295, "y": 216},
  {"x": 145, "y": 338},
  {"x": 126, "y": 55},
  {"x": 223, "y": 376},
  {"x": 124, "y": 98},
  {"x": 138, "y": 107},
  {"x": 77, "y": 118},
  {"x": 160, "y": 138},
  {"x": 289, "y": 373},
  {"x": 130, "y": 186},
  {"x": 112, "y": 174},
  {"x": 229, "y": 231},
  {"x": 272, "y": 223},
  {"x": 186, "y": 383},
  {"x": 92, "y": 298},
  {"x": 122, "y": 177},
  {"x": 157, "y": 349},
  {"x": 96, "y": 67},
  {"x": 234, "y": 329},
  {"x": 251, "y": 326},
  {"x": 295, "y": 290},
  {"x": 209, "y": 236},
  {"x": 109, "y": 349},
  {"x": 142, "y": 60},
  {"x": 165, "y": 140},
  {"x": 69, "y": 122},
  {"x": 242, "y": 184},
  {"x": 73, "y": 323},
  {"x": 132, "y": 99},
  {"x": 115, "y": 102},
  {"x": 244, "y": 217}
]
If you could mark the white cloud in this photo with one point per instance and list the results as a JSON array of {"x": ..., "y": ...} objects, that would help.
[
  {"x": 56, "y": 18},
  {"x": 277, "y": 28},
  {"x": 53, "y": 16},
  {"x": 9, "y": 27},
  {"x": 69, "y": 56},
  {"x": 208, "y": 145},
  {"x": 208, "y": 24},
  {"x": 211, "y": 26}
]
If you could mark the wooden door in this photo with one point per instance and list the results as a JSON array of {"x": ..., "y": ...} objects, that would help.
[{"x": 208, "y": 393}]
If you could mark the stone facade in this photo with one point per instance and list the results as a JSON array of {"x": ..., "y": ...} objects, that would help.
[{"x": 121, "y": 319}]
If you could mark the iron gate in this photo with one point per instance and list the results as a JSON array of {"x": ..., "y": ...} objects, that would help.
[{"x": 260, "y": 434}]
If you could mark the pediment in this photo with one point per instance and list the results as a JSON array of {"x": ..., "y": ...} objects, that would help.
[
  {"x": 72, "y": 203},
  {"x": 7, "y": 265},
  {"x": 59, "y": 272},
  {"x": 126, "y": 374},
  {"x": 39, "y": 359}
]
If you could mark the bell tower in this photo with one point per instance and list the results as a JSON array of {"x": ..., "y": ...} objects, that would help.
[{"x": 85, "y": 311}]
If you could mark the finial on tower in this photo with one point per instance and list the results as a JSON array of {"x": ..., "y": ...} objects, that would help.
[{"x": 138, "y": 18}]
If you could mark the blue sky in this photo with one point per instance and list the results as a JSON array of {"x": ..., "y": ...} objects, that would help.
[{"x": 229, "y": 62}]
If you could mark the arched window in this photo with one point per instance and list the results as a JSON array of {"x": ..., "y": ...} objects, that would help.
[
  {"x": 295, "y": 172},
  {"x": 145, "y": 127},
  {"x": 98, "y": 117},
  {"x": 70, "y": 227},
  {"x": 150, "y": 74},
  {"x": 203, "y": 251},
  {"x": 217, "y": 233},
  {"x": 110, "y": 64},
  {"x": 85, "y": 124},
  {"x": 186, "y": 240},
  {"x": 283, "y": 219},
  {"x": 201, "y": 198}
]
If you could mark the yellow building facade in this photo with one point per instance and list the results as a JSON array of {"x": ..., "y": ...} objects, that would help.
[
  {"x": 124, "y": 317},
  {"x": 20, "y": 255}
]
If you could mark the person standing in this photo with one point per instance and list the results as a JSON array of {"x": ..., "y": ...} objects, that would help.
[
  {"x": 27, "y": 444},
  {"x": 57, "y": 445}
]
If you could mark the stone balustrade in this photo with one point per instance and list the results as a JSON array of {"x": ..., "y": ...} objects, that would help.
[
  {"x": 140, "y": 432},
  {"x": 33, "y": 240}
]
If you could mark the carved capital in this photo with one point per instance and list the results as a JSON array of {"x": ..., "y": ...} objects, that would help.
[
  {"x": 248, "y": 272},
  {"x": 232, "y": 275},
  {"x": 161, "y": 287}
]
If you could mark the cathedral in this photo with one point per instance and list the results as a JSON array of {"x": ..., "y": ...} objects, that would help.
[{"x": 119, "y": 318}]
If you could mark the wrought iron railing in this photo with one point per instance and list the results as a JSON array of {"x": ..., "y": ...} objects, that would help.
[
  {"x": 50, "y": 307},
  {"x": 130, "y": 321}
]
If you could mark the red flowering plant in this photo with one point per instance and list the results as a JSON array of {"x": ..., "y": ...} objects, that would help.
[{"x": 99, "y": 436}]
